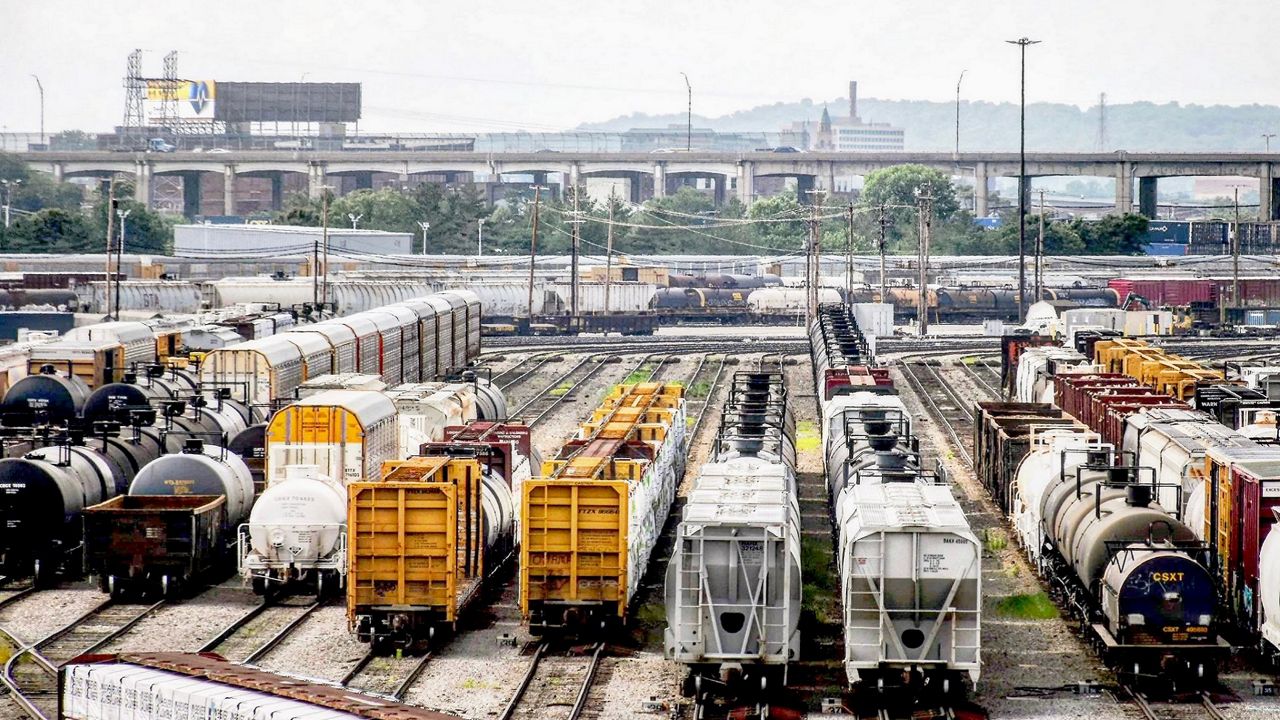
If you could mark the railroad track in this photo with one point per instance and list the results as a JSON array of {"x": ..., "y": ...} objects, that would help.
[
  {"x": 385, "y": 674},
  {"x": 9, "y": 596},
  {"x": 31, "y": 673},
  {"x": 538, "y": 407},
  {"x": 554, "y": 687},
  {"x": 703, "y": 383},
  {"x": 242, "y": 640},
  {"x": 522, "y": 370},
  {"x": 945, "y": 403},
  {"x": 1199, "y": 705}
]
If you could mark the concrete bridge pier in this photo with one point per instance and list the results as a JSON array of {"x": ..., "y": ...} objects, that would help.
[
  {"x": 659, "y": 180},
  {"x": 746, "y": 182},
  {"x": 142, "y": 184},
  {"x": 1147, "y": 203},
  {"x": 191, "y": 194},
  {"x": 1267, "y": 194},
  {"x": 804, "y": 189},
  {"x": 573, "y": 178},
  {"x": 277, "y": 190},
  {"x": 1124, "y": 188},
  {"x": 315, "y": 180},
  {"x": 719, "y": 189},
  {"x": 982, "y": 204},
  {"x": 229, "y": 190},
  {"x": 57, "y": 172}
]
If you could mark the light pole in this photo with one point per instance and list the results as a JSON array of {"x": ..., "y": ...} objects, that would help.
[
  {"x": 41, "y": 88},
  {"x": 480, "y": 237},
  {"x": 1267, "y": 137},
  {"x": 1022, "y": 44},
  {"x": 688, "y": 126},
  {"x": 957, "y": 153},
  {"x": 425, "y": 227},
  {"x": 119, "y": 261},
  {"x": 9, "y": 186},
  {"x": 355, "y": 220}
]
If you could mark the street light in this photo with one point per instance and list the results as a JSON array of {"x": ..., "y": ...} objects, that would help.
[
  {"x": 41, "y": 88},
  {"x": 355, "y": 219},
  {"x": 425, "y": 227},
  {"x": 688, "y": 127},
  {"x": 962, "y": 72},
  {"x": 1267, "y": 137},
  {"x": 480, "y": 237},
  {"x": 122, "y": 214},
  {"x": 1022, "y": 43}
]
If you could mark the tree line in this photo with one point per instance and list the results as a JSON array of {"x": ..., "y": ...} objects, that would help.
[{"x": 63, "y": 218}]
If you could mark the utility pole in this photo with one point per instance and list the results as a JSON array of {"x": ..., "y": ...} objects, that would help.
[
  {"x": 1039, "y": 274},
  {"x": 425, "y": 227},
  {"x": 957, "y": 153},
  {"x": 924, "y": 217},
  {"x": 41, "y": 88},
  {"x": 119, "y": 260},
  {"x": 1022, "y": 43},
  {"x": 814, "y": 256},
  {"x": 1235, "y": 254},
  {"x": 1265, "y": 136},
  {"x": 688, "y": 128},
  {"x": 608, "y": 256},
  {"x": 533, "y": 244},
  {"x": 111, "y": 212},
  {"x": 480, "y": 237},
  {"x": 573, "y": 265},
  {"x": 324, "y": 238},
  {"x": 848, "y": 248},
  {"x": 883, "y": 220}
]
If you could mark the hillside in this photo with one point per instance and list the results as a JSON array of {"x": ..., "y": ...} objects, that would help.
[{"x": 994, "y": 126}]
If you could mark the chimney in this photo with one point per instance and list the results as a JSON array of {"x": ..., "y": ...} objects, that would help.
[{"x": 853, "y": 99}]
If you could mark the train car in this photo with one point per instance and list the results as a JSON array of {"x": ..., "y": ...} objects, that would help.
[
  {"x": 296, "y": 534},
  {"x": 733, "y": 584},
  {"x": 348, "y": 434},
  {"x": 44, "y": 398},
  {"x": 911, "y": 587},
  {"x": 1091, "y": 526},
  {"x": 136, "y": 543},
  {"x": 842, "y": 356},
  {"x": 109, "y": 687},
  {"x": 590, "y": 521},
  {"x": 48, "y": 488},
  {"x": 423, "y": 538}
]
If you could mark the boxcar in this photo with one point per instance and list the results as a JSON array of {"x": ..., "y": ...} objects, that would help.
[{"x": 143, "y": 543}]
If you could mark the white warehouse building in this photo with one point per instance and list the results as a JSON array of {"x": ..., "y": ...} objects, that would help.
[{"x": 217, "y": 240}]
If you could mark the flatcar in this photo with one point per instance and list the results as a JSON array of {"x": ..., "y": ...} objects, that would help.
[
  {"x": 613, "y": 483},
  {"x": 733, "y": 584}
]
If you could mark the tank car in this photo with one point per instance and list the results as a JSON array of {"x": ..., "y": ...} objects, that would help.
[
  {"x": 733, "y": 584},
  {"x": 45, "y": 398},
  {"x": 859, "y": 432},
  {"x": 1133, "y": 571},
  {"x": 296, "y": 534},
  {"x": 47, "y": 489}
]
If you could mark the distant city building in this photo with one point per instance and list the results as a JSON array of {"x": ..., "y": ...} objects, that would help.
[
  {"x": 847, "y": 134},
  {"x": 221, "y": 240}
]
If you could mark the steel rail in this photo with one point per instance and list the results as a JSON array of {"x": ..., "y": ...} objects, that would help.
[{"x": 282, "y": 634}]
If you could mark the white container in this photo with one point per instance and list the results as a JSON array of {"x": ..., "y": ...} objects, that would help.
[{"x": 874, "y": 319}]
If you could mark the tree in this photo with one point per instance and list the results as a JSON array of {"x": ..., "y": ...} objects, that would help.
[
  {"x": 897, "y": 188},
  {"x": 51, "y": 230}
]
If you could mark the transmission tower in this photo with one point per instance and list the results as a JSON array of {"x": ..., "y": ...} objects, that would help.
[
  {"x": 135, "y": 90},
  {"x": 169, "y": 101},
  {"x": 1102, "y": 122}
]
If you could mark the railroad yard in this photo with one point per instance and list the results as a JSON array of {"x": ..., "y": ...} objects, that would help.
[{"x": 1035, "y": 663}]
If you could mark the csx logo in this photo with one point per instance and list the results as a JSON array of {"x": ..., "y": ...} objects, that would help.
[{"x": 1167, "y": 576}]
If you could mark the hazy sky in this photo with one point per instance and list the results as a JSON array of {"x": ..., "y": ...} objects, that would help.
[{"x": 548, "y": 65}]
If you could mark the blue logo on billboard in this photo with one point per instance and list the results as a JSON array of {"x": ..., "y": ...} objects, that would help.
[{"x": 199, "y": 95}]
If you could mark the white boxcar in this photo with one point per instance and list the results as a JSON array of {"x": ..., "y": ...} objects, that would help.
[
  {"x": 874, "y": 319},
  {"x": 911, "y": 576},
  {"x": 624, "y": 297}
]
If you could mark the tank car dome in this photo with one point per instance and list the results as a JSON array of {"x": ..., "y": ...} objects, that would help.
[
  {"x": 199, "y": 470},
  {"x": 44, "y": 398}
]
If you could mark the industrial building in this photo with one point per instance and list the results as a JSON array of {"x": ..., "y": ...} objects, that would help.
[{"x": 217, "y": 240}]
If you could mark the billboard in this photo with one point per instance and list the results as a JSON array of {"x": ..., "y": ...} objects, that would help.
[
  {"x": 250, "y": 102},
  {"x": 188, "y": 100}
]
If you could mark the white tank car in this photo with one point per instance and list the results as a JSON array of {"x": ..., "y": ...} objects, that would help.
[
  {"x": 911, "y": 584},
  {"x": 1054, "y": 454},
  {"x": 296, "y": 533},
  {"x": 1173, "y": 442},
  {"x": 857, "y": 426},
  {"x": 1036, "y": 369},
  {"x": 200, "y": 470},
  {"x": 1269, "y": 590}
]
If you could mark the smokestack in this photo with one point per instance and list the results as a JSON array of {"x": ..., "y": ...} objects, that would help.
[{"x": 853, "y": 99}]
